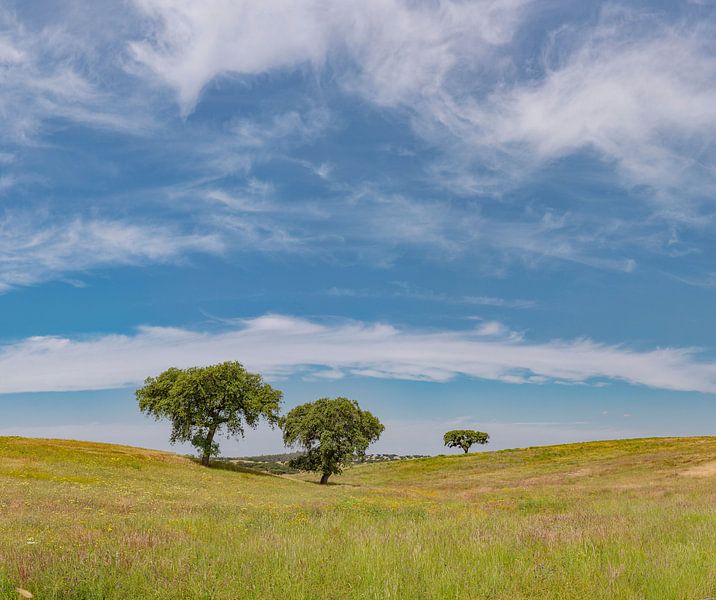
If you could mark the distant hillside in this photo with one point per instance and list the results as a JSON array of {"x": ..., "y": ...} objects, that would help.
[
  {"x": 285, "y": 457},
  {"x": 278, "y": 463}
]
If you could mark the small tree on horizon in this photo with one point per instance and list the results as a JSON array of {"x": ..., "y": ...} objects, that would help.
[
  {"x": 464, "y": 438},
  {"x": 201, "y": 401},
  {"x": 331, "y": 431}
]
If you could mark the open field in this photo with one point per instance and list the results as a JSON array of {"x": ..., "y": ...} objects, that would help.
[{"x": 622, "y": 519}]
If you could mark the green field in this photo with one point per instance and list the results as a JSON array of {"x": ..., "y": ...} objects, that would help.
[{"x": 620, "y": 519}]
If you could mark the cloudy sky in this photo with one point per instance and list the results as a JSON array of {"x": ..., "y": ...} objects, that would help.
[{"x": 492, "y": 213}]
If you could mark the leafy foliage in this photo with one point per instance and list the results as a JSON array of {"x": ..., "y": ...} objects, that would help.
[
  {"x": 201, "y": 401},
  {"x": 332, "y": 431},
  {"x": 464, "y": 438}
]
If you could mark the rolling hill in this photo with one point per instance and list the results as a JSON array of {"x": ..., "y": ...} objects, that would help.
[{"x": 616, "y": 519}]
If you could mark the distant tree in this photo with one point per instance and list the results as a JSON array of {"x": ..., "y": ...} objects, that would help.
[
  {"x": 202, "y": 401},
  {"x": 464, "y": 438},
  {"x": 332, "y": 431}
]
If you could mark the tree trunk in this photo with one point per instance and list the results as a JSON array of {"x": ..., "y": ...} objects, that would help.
[
  {"x": 324, "y": 478},
  {"x": 207, "y": 445},
  {"x": 466, "y": 449}
]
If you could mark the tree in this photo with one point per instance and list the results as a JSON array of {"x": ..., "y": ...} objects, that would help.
[
  {"x": 200, "y": 401},
  {"x": 464, "y": 438},
  {"x": 331, "y": 431}
]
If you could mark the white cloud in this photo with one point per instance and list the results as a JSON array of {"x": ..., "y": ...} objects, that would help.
[
  {"x": 195, "y": 42},
  {"x": 44, "y": 76},
  {"x": 33, "y": 251},
  {"x": 380, "y": 228},
  {"x": 279, "y": 345},
  {"x": 407, "y": 291},
  {"x": 492, "y": 329},
  {"x": 638, "y": 91},
  {"x": 637, "y": 88},
  {"x": 407, "y": 52},
  {"x": 388, "y": 49}
]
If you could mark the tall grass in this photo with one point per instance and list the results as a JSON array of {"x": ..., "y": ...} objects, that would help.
[{"x": 628, "y": 519}]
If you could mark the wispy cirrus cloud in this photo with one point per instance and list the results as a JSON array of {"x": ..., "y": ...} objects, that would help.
[
  {"x": 630, "y": 88},
  {"x": 637, "y": 90},
  {"x": 46, "y": 76},
  {"x": 635, "y": 86},
  {"x": 36, "y": 250},
  {"x": 279, "y": 345},
  {"x": 404, "y": 290},
  {"x": 367, "y": 224},
  {"x": 388, "y": 48}
]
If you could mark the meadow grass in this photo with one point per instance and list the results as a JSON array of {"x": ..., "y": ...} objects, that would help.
[{"x": 618, "y": 519}]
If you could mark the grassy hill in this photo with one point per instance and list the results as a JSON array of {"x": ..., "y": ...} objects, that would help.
[{"x": 621, "y": 519}]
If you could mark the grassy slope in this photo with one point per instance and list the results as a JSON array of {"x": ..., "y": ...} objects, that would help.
[{"x": 626, "y": 519}]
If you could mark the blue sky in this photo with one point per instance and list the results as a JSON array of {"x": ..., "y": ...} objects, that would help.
[{"x": 493, "y": 214}]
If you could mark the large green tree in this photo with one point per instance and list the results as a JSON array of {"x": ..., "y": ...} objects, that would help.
[
  {"x": 464, "y": 438},
  {"x": 202, "y": 402},
  {"x": 331, "y": 431}
]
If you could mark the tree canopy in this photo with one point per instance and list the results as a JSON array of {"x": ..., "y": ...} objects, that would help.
[
  {"x": 331, "y": 431},
  {"x": 464, "y": 438},
  {"x": 203, "y": 401}
]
